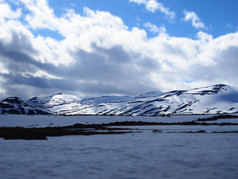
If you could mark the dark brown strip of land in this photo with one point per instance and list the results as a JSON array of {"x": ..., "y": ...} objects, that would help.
[
  {"x": 214, "y": 118},
  {"x": 202, "y": 131},
  {"x": 189, "y": 123},
  {"x": 43, "y": 133},
  {"x": 88, "y": 129}
]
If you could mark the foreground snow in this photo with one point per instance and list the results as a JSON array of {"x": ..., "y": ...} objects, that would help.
[
  {"x": 139, "y": 155},
  {"x": 146, "y": 154}
]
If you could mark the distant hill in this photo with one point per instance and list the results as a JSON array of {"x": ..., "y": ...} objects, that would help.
[
  {"x": 214, "y": 99},
  {"x": 15, "y": 105}
]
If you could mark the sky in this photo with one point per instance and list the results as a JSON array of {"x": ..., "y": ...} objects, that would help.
[{"x": 116, "y": 47}]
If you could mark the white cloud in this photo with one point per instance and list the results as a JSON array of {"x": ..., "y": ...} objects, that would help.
[
  {"x": 154, "y": 5},
  {"x": 41, "y": 15},
  {"x": 193, "y": 17},
  {"x": 155, "y": 29},
  {"x": 99, "y": 55},
  {"x": 7, "y": 13},
  {"x": 204, "y": 37}
]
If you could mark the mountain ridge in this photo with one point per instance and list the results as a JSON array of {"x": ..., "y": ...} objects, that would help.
[{"x": 215, "y": 99}]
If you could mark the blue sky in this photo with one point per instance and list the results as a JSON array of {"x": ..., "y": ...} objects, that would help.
[
  {"x": 219, "y": 16},
  {"x": 116, "y": 47}
]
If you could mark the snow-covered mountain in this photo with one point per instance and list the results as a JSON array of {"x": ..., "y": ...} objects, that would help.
[
  {"x": 58, "y": 104},
  {"x": 207, "y": 100},
  {"x": 15, "y": 105}
]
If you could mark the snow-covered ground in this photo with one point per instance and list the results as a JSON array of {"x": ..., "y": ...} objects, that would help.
[
  {"x": 51, "y": 120},
  {"x": 139, "y": 155},
  {"x": 145, "y": 154}
]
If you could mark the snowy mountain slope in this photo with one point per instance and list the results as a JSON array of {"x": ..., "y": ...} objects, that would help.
[
  {"x": 54, "y": 100},
  {"x": 207, "y": 100},
  {"x": 57, "y": 104},
  {"x": 15, "y": 105}
]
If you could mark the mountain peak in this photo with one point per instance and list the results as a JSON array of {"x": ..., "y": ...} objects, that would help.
[
  {"x": 215, "y": 99},
  {"x": 15, "y": 100}
]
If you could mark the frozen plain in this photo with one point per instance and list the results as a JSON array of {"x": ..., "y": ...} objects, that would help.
[
  {"x": 137, "y": 155},
  {"x": 53, "y": 120}
]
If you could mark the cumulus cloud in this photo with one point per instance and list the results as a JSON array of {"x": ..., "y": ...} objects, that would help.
[
  {"x": 154, "y": 5},
  {"x": 193, "y": 17},
  {"x": 155, "y": 29},
  {"x": 7, "y": 13},
  {"x": 99, "y": 55},
  {"x": 41, "y": 15}
]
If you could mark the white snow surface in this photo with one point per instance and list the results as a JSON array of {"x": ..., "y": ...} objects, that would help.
[
  {"x": 54, "y": 100},
  {"x": 53, "y": 120},
  {"x": 138, "y": 155}
]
